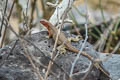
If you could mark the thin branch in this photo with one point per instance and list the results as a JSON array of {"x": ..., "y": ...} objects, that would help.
[
  {"x": 104, "y": 36},
  {"x": 88, "y": 72},
  {"x": 101, "y": 9},
  {"x": 4, "y": 33},
  {"x": 76, "y": 29},
  {"x": 25, "y": 29},
  {"x": 56, "y": 40},
  {"x": 3, "y": 18},
  {"x": 9, "y": 53},
  {"x": 27, "y": 7},
  {"x": 116, "y": 47},
  {"x": 36, "y": 69},
  {"x": 33, "y": 4},
  {"x": 86, "y": 37},
  {"x": 62, "y": 7}
]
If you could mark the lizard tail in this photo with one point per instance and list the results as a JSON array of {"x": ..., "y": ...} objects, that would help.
[{"x": 71, "y": 48}]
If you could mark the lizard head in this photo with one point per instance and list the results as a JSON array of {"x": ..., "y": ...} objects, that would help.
[{"x": 45, "y": 23}]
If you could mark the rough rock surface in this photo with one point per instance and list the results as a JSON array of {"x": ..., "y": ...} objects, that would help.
[
  {"x": 16, "y": 66},
  {"x": 112, "y": 65}
]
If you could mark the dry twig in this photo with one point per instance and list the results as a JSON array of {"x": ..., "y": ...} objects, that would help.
[
  {"x": 33, "y": 3},
  {"x": 4, "y": 33},
  {"x": 26, "y": 54},
  {"x": 86, "y": 37},
  {"x": 53, "y": 51}
]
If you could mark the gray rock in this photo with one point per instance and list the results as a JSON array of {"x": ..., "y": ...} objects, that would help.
[
  {"x": 112, "y": 65},
  {"x": 16, "y": 62}
]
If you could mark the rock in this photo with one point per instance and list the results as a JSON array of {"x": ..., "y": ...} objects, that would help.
[
  {"x": 112, "y": 65},
  {"x": 15, "y": 63}
]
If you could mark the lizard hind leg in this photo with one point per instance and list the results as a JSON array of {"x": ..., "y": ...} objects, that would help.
[{"x": 61, "y": 49}]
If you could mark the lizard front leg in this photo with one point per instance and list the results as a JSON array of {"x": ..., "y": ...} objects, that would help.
[{"x": 77, "y": 38}]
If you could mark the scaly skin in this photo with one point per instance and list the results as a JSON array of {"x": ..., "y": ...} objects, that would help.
[
  {"x": 52, "y": 30},
  {"x": 61, "y": 38}
]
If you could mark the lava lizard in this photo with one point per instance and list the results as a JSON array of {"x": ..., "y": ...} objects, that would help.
[{"x": 52, "y": 30}]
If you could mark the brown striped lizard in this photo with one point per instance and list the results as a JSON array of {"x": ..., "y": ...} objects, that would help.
[{"x": 52, "y": 30}]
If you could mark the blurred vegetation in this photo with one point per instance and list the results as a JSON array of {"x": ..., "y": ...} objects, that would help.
[
  {"x": 29, "y": 12},
  {"x": 99, "y": 31}
]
